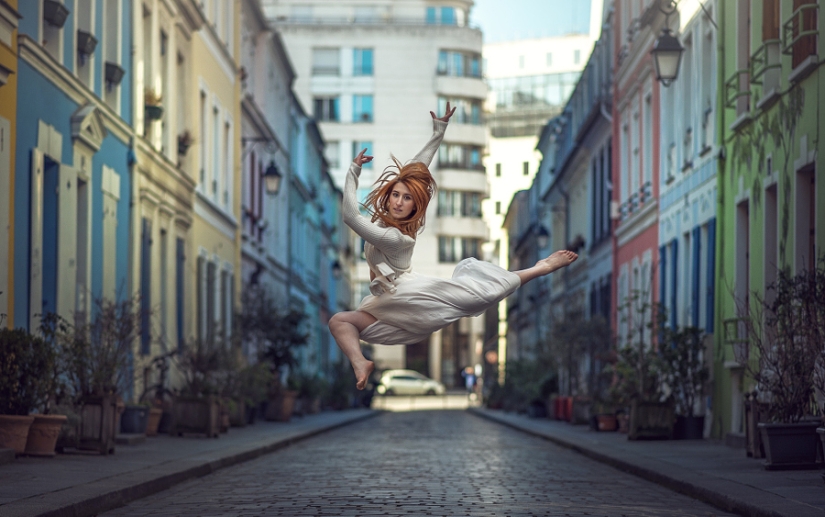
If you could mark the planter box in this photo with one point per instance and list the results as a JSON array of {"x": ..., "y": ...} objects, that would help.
[
  {"x": 755, "y": 412},
  {"x": 689, "y": 428},
  {"x": 134, "y": 419},
  {"x": 650, "y": 421},
  {"x": 280, "y": 406},
  {"x": 790, "y": 446},
  {"x": 195, "y": 416},
  {"x": 14, "y": 431},
  {"x": 96, "y": 428}
]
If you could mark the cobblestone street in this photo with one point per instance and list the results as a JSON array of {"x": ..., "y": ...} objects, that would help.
[{"x": 420, "y": 463}]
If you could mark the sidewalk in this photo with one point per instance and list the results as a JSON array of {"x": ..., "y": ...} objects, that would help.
[
  {"x": 84, "y": 485},
  {"x": 708, "y": 471}
]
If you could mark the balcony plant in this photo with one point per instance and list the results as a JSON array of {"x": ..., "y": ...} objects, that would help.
[
  {"x": 152, "y": 105},
  {"x": 185, "y": 141},
  {"x": 683, "y": 351}
]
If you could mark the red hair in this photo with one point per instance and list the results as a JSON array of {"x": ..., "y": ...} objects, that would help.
[{"x": 421, "y": 184}]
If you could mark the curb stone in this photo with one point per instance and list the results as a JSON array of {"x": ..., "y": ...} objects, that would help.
[
  {"x": 108, "y": 494},
  {"x": 692, "y": 484}
]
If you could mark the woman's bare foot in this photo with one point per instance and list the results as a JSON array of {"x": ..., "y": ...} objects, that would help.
[
  {"x": 362, "y": 373},
  {"x": 557, "y": 260}
]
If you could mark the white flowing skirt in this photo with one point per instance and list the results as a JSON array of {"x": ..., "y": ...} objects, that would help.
[{"x": 423, "y": 304}]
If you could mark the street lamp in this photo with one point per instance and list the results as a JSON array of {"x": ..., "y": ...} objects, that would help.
[
  {"x": 272, "y": 176},
  {"x": 667, "y": 54},
  {"x": 542, "y": 236}
]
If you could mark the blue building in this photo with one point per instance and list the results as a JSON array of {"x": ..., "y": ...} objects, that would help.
[{"x": 72, "y": 197}]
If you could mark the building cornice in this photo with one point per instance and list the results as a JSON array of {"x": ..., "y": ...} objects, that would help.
[
  {"x": 639, "y": 222},
  {"x": 43, "y": 63}
]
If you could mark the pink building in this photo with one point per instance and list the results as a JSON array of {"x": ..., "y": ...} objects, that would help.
[{"x": 636, "y": 100}]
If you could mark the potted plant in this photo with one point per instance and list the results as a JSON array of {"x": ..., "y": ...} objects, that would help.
[
  {"x": 254, "y": 382},
  {"x": 684, "y": 356},
  {"x": 185, "y": 141},
  {"x": 311, "y": 388},
  {"x": 158, "y": 396},
  {"x": 786, "y": 329},
  {"x": 151, "y": 105},
  {"x": 196, "y": 409},
  {"x": 276, "y": 334},
  {"x": 96, "y": 358},
  {"x": 640, "y": 371},
  {"x": 27, "y": 382}
]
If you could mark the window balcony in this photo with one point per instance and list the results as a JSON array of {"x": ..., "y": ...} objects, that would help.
[
  {"x": 765, "y": 68},
  {"x": 737, "y": 96},
  {"x": 799, "y": 39}
]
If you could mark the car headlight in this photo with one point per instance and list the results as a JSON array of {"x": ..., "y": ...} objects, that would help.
[{"x": 381, "y": 389}]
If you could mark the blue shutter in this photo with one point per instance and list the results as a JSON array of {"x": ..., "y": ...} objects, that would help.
[
  {"x": 145, "y": 286},
  {"x": 694, "y": 295},
  {"x": 674, "y": 281},
  {"x": 179, "y": 291},
  {"x": 663, "y": 275},
  {"x": 711, "y": 276}
]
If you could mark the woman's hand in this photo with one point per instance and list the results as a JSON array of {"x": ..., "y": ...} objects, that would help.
[
  {"x": 361, "y": 159},
  {"x": 446, "y": 117}
]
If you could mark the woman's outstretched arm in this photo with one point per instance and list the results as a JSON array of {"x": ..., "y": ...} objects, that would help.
[
  {"x": 385, "y": 239},
  {"x": 426, "y": 154}
]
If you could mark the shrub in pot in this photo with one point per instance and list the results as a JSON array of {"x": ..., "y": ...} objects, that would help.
[
  {"x": 95, "y": 356},
  {"x": 686, "y": 373},
  {"x": 196, "y": 409},
  {"x": 27, "y": 382},
  {"x": 786, "y": 330},
  {"x": 276, "y": 334}
]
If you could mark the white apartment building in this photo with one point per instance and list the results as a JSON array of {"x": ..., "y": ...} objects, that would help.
[{"x": 370, "y": 72}]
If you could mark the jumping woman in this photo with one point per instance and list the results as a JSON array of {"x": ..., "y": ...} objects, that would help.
[{"x": 404, "y": 307}]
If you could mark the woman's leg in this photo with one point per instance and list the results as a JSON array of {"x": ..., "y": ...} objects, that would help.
[
  {"x": 547, "y": 265},
  {"x": 346, "y": 328}
]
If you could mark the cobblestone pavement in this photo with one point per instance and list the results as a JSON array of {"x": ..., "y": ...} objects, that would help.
[{"x": 420, "y": 463}]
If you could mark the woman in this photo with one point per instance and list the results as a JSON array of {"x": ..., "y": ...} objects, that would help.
[{"x": 405, "y": 307}]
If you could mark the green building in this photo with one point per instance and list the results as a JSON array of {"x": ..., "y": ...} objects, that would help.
[{"x": 771, "y": 211}]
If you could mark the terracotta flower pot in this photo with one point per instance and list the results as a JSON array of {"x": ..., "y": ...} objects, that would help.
[
  {"x": 607, "y": 422},
  {"x": 43, "y": 434},
  {"x": 14, "y": 431},
  {"x": 153, "y": 422}
]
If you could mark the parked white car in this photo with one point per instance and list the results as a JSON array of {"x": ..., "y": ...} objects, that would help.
[{"x": 408, "y": 382}]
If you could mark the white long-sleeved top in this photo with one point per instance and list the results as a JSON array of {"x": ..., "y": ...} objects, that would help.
[{"x": 385, "y": 244}]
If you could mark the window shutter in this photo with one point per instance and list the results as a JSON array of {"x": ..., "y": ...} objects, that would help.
[
  {"x": 145, "y": 286},
  {"x": 711, "y": 276},
  {"x": 179, "y": 292},
  {"x": 697, "y": 249},
  {"x": 674, "y": 281},
  {"x": 201, "y": 298},
  {"x": 663, "y": 274}
]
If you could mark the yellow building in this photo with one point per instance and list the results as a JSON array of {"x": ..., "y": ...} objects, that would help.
[
  {"x": 215, "y": 104},
  {"x": 8, "y": 129}
]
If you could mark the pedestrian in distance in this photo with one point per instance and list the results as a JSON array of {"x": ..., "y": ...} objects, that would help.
[{"x": 404, "y": 307}]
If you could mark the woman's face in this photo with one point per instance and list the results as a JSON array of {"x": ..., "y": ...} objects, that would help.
[{"x": 401, "y": 203}]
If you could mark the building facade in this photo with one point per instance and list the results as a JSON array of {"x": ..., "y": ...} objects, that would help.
[
  {"x": 353, "y": 63},
  {"x": 9, "y": 19},
  {"x": 72, "y": 217},
  {"x": 770, "y": 199}
]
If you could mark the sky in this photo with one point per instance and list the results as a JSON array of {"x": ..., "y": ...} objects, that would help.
[{"x": 506, "y": 20}]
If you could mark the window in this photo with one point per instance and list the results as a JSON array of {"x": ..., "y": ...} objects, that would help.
[
  {"x": 457, "y": 203},
  {"x": 804, "y": 20},
  {"x": 467, "y": 111},
  {"x": 498, "y": 207},
  {"x": 362, "y": 108},
  {"x": 362, "y": 61},
  {"x": 326, "y": 61},
  {"x": 458, "y": 156},
  {"x": 444, "y": 16},
  {"x": 459, "y": 64},
  {"x": 325, "y": 109},
  {"x": 454, "y": 249},
  {"x": 357, "y": 146},
  {"x": 525, "y": 168}
]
